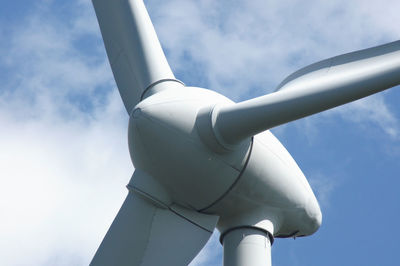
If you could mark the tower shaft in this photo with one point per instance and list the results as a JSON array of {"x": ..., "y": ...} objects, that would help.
[{"x": 247, "y": 246}]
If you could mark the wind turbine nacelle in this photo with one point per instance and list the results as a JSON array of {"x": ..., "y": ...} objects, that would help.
[{"x": 254, "y": 183}]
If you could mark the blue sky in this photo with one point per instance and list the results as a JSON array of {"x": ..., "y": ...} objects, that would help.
[{"x": 64, "y": 161}]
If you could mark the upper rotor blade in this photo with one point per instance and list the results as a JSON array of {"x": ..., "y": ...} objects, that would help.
[
  {"x": 135, "y": 54},
  {"x": 150, "y": 230},
  {"x": 313, "y": 89}
]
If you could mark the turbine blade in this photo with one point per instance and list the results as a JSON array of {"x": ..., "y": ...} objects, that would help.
[
  {"x": 134, "y": 52},
  {"x": 313, "y": 89},
  {"x": 146, "y": 234}
]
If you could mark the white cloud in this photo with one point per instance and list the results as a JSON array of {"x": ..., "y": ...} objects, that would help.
[
  {"x": 63, "y": 149},
  {"x": 255, "y": 44},
  {"x": 61, "y": 183},
  {"x": 371, "y": 110},
  {"x": 323, "y": 186}
]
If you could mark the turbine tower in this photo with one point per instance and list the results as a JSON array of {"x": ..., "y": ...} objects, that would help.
[{"x": 202, "y": 161}]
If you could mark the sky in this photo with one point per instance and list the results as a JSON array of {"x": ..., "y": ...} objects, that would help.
[{"x": 64, "y": 160}]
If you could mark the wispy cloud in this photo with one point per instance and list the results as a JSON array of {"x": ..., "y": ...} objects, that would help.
[
  {"x": 254, "y": 45},
  {"x": 371, "y": 110},
  {"x": 49, "y": 69},
  {"x": 323, "y": 187},
  {"x": 63, "y": 157}
]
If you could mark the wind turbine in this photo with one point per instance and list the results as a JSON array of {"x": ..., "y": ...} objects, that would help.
[{"x": 203, "y": 161}]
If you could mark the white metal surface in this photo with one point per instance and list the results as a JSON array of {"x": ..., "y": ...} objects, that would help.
[
  {"x": 135, "y": 54},
  {"x": 164, "y": 142},
  {"x": 147, "y": 233},
  {"x": 200, "y": 158},
  {"x": 315, "y": 88},
  {"x": 271, "y": 194},
  {"x": 260, "y": 177},
  {"x": 247, "y": 247}
]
